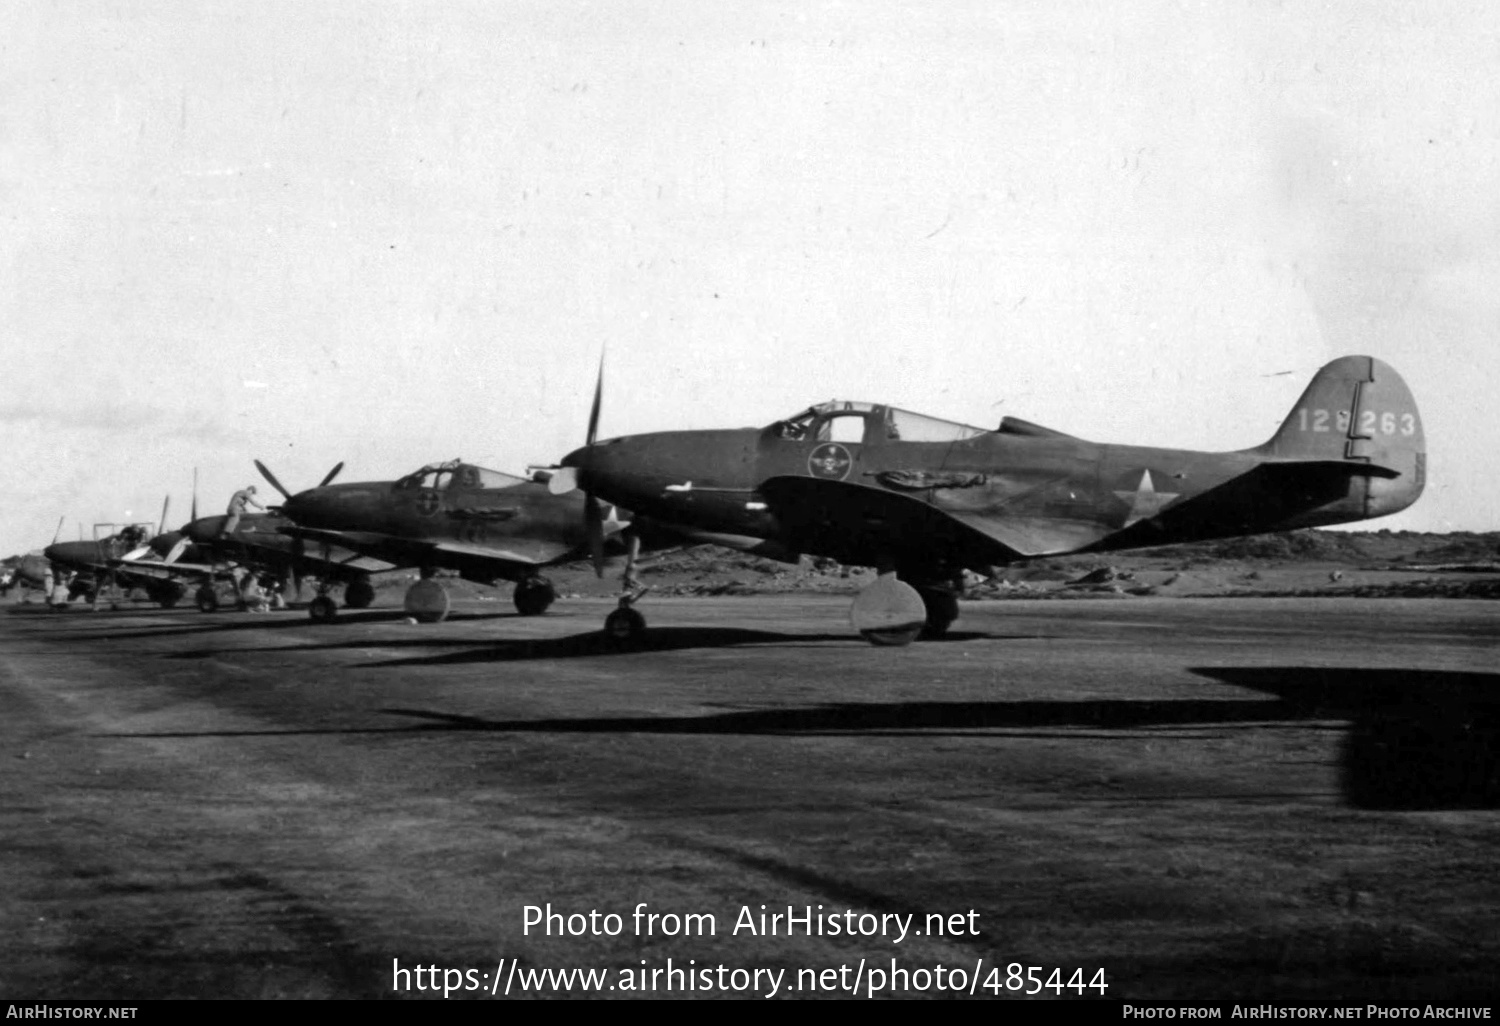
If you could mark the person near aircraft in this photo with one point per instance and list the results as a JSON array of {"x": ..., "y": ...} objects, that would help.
[{"x": 237, "y": 503}]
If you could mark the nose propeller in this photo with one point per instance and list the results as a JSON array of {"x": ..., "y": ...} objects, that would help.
[
  {"x": 265, "y": 472},
  {"x": 593, "y": 515},
  {"x": 297, "y": 543}
]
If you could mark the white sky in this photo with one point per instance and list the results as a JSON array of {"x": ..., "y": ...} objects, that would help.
[{"x": 392, "y": 233}]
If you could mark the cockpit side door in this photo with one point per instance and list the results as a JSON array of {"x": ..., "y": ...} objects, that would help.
[{"x": 825, "y": 445}]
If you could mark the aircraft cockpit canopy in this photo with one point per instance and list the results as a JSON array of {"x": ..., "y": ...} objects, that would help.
[
  {"x": 458, "y": 474},
  {"x": 128, "y": 534},
  {"x": 841, "y": 421}
]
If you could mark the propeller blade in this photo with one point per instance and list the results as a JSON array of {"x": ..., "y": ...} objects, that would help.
[
  {"x": 563, "y": 481},
  {"x": 195, "y": 494},
  {"x": 59, "y": 528},
  {"x": 593, "y": 434},
  {"x": 331, "y": 475},
  {"x": 272, "y": 478},
  {"x": 593, "y": 519},
  {"x": 177, "y": 550},
  {"x": 165, "y": 503},
  {"x": 139, "y": 553}
]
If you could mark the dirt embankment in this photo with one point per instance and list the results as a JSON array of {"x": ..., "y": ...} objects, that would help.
[{"x": 1296, "y": 563}]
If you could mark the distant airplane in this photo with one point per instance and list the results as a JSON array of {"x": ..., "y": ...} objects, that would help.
[
  {"x": 104, "y": 564},
  {"x": 255, "y": 555},
  {"x": 487, "y": 525},
  {"x": 922, "y": 499},
  {"x": 30, "y": 571}
]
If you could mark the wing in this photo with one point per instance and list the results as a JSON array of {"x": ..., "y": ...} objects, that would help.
[
  {"x": 857, "y": 523},
  {"x": 163, "y": 571},
  {"x": 515, "y": 558}
]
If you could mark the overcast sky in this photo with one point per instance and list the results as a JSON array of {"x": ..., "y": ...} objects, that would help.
[{"x": 393, "y": 233}]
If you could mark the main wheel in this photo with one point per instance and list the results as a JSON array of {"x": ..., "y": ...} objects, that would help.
[
  {"x": 533, "y": 596},
  {"x": 207, "y": 599},
  {"x": 888, "y": 612},
  {"x": 625, "y": 627},
  {"x": 427, "y": 601},
  {"x": 359, "y": 594},
  {"x": 323, "y": 609}
]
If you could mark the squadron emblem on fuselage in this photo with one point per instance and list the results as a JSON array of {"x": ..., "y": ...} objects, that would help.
[{"x": 830, "y": 461}]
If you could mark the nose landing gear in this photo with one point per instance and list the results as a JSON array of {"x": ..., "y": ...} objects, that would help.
[
  {"x": 533, "y": 595},
  {"x": 625, "y": 627}
]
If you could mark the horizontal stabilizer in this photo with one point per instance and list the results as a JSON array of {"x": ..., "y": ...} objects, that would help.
[{"x": 1340, "y": 466}]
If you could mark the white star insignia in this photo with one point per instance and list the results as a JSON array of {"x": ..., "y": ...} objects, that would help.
[
  {"x": 613, "y": 523},
  {"x": 1145, "y": 502}
]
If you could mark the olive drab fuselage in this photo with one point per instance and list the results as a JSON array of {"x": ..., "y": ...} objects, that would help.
[{"x": 871, "y": 484}]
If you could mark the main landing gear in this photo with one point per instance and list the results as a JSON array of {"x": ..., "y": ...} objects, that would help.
[
  {"x": 894, "y": 613},
  {"x": 358, "y": 594},
  {"x": 427, "y": 600}
]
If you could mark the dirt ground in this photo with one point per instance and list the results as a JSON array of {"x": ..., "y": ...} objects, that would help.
[{"x": 1287, "y": 798}]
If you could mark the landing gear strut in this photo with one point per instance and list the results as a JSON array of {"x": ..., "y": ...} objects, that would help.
[{"x": 942, "y": 609}]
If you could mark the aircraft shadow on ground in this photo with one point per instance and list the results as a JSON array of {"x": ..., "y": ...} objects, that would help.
[
  {"x": 577, "y": 646},
  {"x": 657, "y": 639},
  {"x": 1419, "y": 739},
  {"x": 281, "y": 620},
  {"x": 925, "y": 719},
  {"x": 891, "y": 719}
]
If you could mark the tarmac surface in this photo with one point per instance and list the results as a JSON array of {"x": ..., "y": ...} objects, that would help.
[{"x": 1261, "y": 799}]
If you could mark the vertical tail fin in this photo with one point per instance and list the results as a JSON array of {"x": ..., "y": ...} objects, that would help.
[{"x": 1358, "y": 412}]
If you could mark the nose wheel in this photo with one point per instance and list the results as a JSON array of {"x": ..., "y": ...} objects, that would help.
[
  {"x": 359, "y": 594},
  {"x": 323, "y": 609},
  {"x": 625, "y": 627},
  {"x": 533, "y": 595}
]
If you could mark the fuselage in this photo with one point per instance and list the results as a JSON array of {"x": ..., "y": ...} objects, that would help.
[{"x": 486, "y": 524}]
